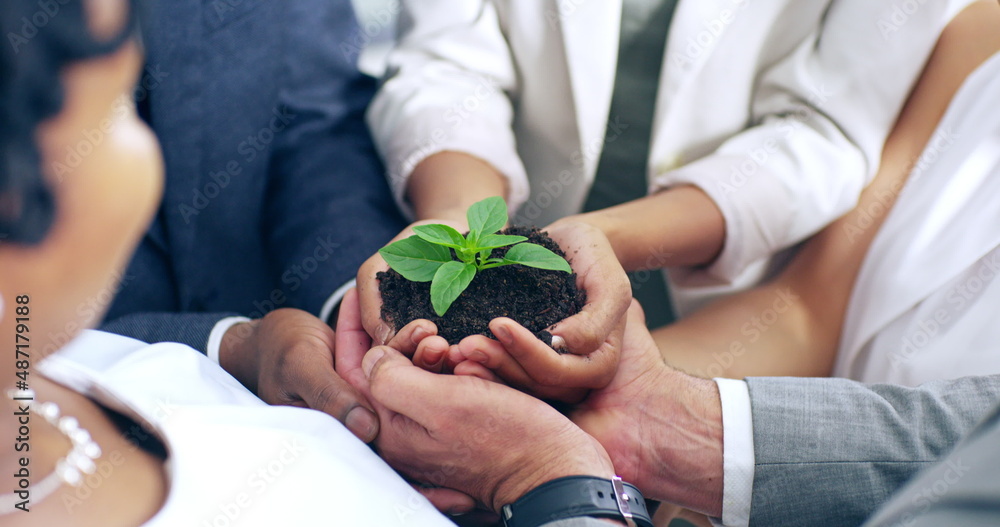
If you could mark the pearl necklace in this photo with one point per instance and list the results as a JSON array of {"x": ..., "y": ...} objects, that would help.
[{"x": 70, "y": 470}]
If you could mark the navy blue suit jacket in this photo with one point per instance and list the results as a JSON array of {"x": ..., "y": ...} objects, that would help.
[{"x": 274, "y": 193}]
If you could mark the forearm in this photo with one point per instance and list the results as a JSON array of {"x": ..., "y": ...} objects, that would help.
[
  {"x": 792, "y": 326},
  {"x": 680, "y": 226},
  {"x": 680, "y": 451},
  {"x": 753, "y": 333},
  {"x": 444, "y": 185}
]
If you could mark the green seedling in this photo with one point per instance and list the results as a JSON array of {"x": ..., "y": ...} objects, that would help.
[{"x": 427, "y": 256}]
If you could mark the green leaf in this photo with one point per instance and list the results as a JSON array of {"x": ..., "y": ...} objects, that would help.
[
  {"x": 450, "y": 280},
  {"x": 416, "y": 259},
  {"x": 441, "y": 235},
  {"x": 493, "y": 241},
  {"x": 487, "y": 216},
  {"x": 536, "y": 256}
]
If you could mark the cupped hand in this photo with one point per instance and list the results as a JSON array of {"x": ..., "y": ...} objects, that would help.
[
  {"x": 287, "y": 358},
  {"x": 353, "y": 342},
  {"x": 518, "y": 358},
  {"x": 477, "y": 437},
  {"x": 481, "y": 438},
  {"x": 601, "y": 276},
  {"x": 368, "y": 291},
  {"x": 418, "y": 339},
  {"x": 585, "y": 347}
]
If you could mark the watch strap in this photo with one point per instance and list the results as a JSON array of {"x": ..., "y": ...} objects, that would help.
[{"x": 576, "y": 496}]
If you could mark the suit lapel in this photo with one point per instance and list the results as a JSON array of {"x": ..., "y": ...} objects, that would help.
[
  {"x": 590, "y": 33},
  {"x": 176, "y": 37},
  {"x": 695, "y": 32}
]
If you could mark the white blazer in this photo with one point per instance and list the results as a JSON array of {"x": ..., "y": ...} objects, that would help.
[
  {"x": 926, "y": 304},
  {"x": 778, "y": 109}
]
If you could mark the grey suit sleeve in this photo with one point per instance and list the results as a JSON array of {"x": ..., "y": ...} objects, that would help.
[
  {"x": 830, "y": 451},
  {"x": 963, "y": 489},
  {"x": 187, "y": 328}
]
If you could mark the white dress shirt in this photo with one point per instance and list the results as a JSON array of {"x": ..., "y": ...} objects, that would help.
[
  {"x": 234, "y": 460},
  {"x": 925, "y": 302}
]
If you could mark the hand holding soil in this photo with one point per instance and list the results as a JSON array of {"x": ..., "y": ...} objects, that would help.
[
  {"x": 462, "y": 281},
  {"x": 602, "y": 278},
  {"x": 522, "y": 320},
  {"x": 587, "y": 344},
  {"x": 536, "y": 298},
  {"x": 371, "y": 298}
]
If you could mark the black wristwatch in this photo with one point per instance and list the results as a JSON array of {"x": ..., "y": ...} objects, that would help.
[{"x": 576, "y": 496}]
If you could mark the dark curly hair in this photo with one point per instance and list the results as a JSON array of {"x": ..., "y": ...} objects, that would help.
[{"x": 39, "y": 39}]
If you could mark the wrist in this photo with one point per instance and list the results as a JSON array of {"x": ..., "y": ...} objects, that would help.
[
  {"x": 680, "y": 226},
  {"x": 609, "y": 224},
  {"x": 445, "y": 184},
  {"x": 236, "y": 356},
  {"x": 610, "y": 500},
  {"x": 684, "y": 463},
  {"x": 450, "y": 215},
  {"x": 577, "y": 462},
  {"x": 594, "y": 225}
]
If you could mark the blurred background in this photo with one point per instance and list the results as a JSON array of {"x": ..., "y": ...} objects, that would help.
[{"x": 377, "y": 19}]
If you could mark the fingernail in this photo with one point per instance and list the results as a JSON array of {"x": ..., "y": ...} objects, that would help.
[
  {"x": 558, "y": 343},
  {"x": 382, "y": 334},
  {"x": 503, "y": 334},
  {"x": 362, "y": 423},
  {"x": 478, "y": 356},
  {"x": 419, "y": 334},
  {"x": 370, "y": 359}
]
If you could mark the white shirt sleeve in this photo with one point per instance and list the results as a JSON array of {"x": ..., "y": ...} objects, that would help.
[
  {"x": 737, "y": 454},
  {"x": 448, "y": 90},
  {"x": 817, "y": 132},
  {"x": 218, "y": 331},
  {"x": 334, "y": 301}
]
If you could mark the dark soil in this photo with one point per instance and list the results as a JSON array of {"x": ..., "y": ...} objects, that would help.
[{"x": 535, "y": 298}]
